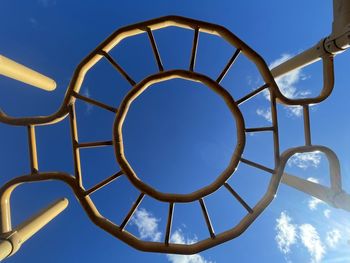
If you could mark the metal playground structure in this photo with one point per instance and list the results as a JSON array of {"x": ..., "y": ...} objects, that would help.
[{"x": 11, "y": 238}]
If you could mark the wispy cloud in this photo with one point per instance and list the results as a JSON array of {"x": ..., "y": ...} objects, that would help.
[
  {"x": 287, "y": 82},
  {"x": 147, "y": 225},
  {"x": 89, "y": 107},
  {"x": 178, "y": 237},
  {"x": 265, "y": 113},
  {"x": 311, "y": 240},
  {"x": 289, "y": 234},
  {"x": 286, "y": 233},
  {"x": 305, "y": 160},
  {"x": 333, "y": 237},
  {"x": 327, "y": 213}
]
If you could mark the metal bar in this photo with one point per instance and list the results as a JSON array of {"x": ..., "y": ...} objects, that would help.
[
  {"x": 94, "y": 144},
  {"x": 169, "y": 223},
  {"x": 259, "y": 166},
  {"x": 14, "y": 70},
  {"x": 335, "y": 199},
  {"x": 228, "y": 65},
  {"x": 238, "y": 197},
  {"x": 155, "y": 49},
  {"x": 30, "y": 227},
  {"x": 74, "y": 135},
  {"x": 341, "y": 17},
  {"x": 131, "y": 212},
  {"x": 94, "y": 102},
  {"x": 118, "y": 67},
  {"x": 252, "y": 94},
  {"x": 260, "y": 129},
  {"x": 207, "y": 218},
  {"x": 274, "y": 118},
  {"x": 301, "y": 60},
  {"x": 194, "y": 49},
  {"x": 32, "y": 149},
  {"x": 103, "y": 183},
  {"x": 307, "y": 130},
  {"x": 34, "y": 224}
]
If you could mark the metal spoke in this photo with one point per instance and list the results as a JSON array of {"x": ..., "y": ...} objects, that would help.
[
  {"x": 239, "y": 198},
  {"x": 252, "y": 94},
  {"x": 169, "y": 223},
  {"x": 307, "y": 129},
  {"x": 207, "y": 218},
  {"x": 228, "y": 65},
  {"x": 32, "y": 149},
  {"x": 103, "y": 183},
  {"x": 118, "y": 67},
  {"x": 194, "y": 49},
  {"x": 94, "y": 102},
  {"x": 132, "y": 211},
  {"x": 94, "y": 144},
  {"x": 155, "y": 49},
  {"x": 260, "y": 129},
  {"x": 257, "y": 165},
  {"x": 74, "y": 135}
]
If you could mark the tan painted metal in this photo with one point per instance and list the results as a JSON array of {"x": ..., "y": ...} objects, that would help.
[
  {"x": 5, "y": 249},
  {"x": 14, "y": 70},
  {"x": 75, "y": 181}
]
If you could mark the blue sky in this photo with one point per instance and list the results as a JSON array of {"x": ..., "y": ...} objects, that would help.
[{"x": 178, "y": 135}]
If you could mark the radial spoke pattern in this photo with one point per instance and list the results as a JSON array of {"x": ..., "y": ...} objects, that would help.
[
  {"x": 131, "y": 211},
  {"x": 95, "y": 102},
  {"x": 207, "y": 218},
  {"x": 155, "y": 49},
  {"x": 34, "y": 167},
  {"x": 257, "y": 165},
  {"x": 239, "y": 198},
  {"x": 194, "y": 49},
  {"x": 103, "y": 183},
  {"x": 252, "y": 94},
  {"x": 169, "y": 223},
  {"x": 118, "y": 67},
  {"x": 228, "y": 66}
]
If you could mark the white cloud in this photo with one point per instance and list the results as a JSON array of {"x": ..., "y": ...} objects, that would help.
[
  {"x": 333, "y": 238},
  {"x": 179, "y": 238},
  {"x": 287, "y": 85},
  {"x": 89, "y": 107},
  {"x": 314, "y": 202},
  {"x": 146, "y": 224},
  {"x": 305, "y": 160},
  {"x": 311, "y": 240},
  {"x": 327, "y": 213},
  {"x": 286, "y": 233},
  {"x": 266, "y": 114}
]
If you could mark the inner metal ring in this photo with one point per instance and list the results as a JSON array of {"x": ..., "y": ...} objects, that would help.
[{"x": 119, "y": 145}]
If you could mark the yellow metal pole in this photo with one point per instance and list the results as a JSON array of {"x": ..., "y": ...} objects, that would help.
[
  {"x": 14, "y": 70},
  {"x": 34, "y": 224},
  {"x": 13, "y": 240}
]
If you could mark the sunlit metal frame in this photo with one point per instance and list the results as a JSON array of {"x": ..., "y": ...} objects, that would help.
[{"x": 75, "y": 181}]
